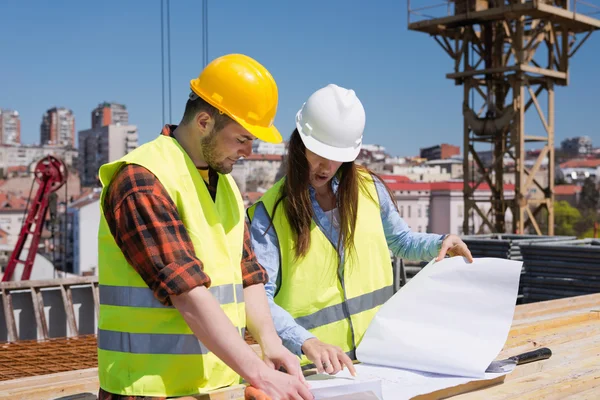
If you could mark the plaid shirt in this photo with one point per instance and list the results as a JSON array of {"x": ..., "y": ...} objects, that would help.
[{"x": 145, "y": 224}]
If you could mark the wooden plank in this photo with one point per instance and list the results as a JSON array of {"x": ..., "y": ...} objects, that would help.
[
  {"x": 40, "y": 315},
  {"x": 80, "y": 280},
  {"x": 548, "y": 317},
  {"x": 472, "y": 386},
  {"x": 9, "y": 316},
  {"x": 591, "y": 394},
  {"x": 52, "y": 390},
  {"x": 69, "y": 310},
  {"x": 547, "y": 324},
  {"x": 47, "y": 379},
  {"x": 40, "y": 299},
  {"x": 543, "y": 308},
  {"x": 553, "y": 336},
  {"x": 96, "y": 296}
]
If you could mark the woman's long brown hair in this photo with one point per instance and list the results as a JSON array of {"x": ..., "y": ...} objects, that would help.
[{"x": 296, "y": 198}]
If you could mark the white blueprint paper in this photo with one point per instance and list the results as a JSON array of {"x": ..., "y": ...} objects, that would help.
[
  {"x": 388, "y": 383},
  {"x": 324, "y": 386},
  {"x": 452, "y": 318},
  {"x": 442, "y": 329}
]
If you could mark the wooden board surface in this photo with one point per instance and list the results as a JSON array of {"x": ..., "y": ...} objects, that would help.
[{"x": 569, "y": 327}]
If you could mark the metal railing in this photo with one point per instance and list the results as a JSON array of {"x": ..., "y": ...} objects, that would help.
[{"x": 419, "y": 10}]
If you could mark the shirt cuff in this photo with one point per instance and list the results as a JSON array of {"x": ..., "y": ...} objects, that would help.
[
  {"x": 442, "y": 237},
  {"x": 175, "y": 279},
  {"x": 294, "y": 338}
]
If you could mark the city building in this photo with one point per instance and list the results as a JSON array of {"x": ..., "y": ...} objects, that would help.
[
  {"x": 452, "y": 166},
  {"x": 10, "y": 127},
  {"x": 260, "y": 147},
  {"x": 440, "y": 152},
  {"x": 422, "y": 173},
  {"x": 438, "y": 207},
  {"x": 84, "y": 217},
  {"x": 102, "y": 145},
  {"x": 29, "y": 155},
  {"x": 576, "y": 171},
  {"x": 58, "y": 127},
  {"x": 257, "y": 173},
  {"x": 577, "y": 146},
  {"x": 109, "y": 114}
]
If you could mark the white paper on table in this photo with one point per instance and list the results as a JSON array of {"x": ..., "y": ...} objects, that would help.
[
  {"x": 442, "y": 329},
  {"x": 324, "y": 386},
  {"x": 395, "y": 383}
]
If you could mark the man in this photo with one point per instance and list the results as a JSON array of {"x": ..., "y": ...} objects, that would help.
[{"x": 174, "y": 300}]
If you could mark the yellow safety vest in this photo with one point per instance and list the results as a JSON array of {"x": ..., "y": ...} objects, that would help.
[
  {"x": 336, "y": 310},
  {"x": 144, "y": 347}
]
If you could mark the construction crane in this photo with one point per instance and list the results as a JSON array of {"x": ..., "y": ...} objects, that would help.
[
  {"x": 507, "y": 55},
  {"x": 50, "y": 174}
]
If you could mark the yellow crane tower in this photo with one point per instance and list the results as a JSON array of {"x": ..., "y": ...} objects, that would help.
[{"x": 508, "y": 55}]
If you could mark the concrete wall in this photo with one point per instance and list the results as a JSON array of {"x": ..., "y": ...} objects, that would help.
[{"x": 83, "y": 304}]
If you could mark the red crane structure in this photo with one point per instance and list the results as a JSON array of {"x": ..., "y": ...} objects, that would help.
[{"x": 50, "y": 174}]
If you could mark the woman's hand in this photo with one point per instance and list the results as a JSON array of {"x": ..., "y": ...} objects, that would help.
[{"x": 326, "y": 357}]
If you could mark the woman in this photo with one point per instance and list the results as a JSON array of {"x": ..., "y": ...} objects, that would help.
[{"x": 324, "y": 234}]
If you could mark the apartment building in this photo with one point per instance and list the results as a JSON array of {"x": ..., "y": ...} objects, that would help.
[
  {"x": 109, "y": 114},
  {"x": 58, "y": 127},
  {"x": 438, "y": 207},
  {"x": 10, "y": 127},
  {"x": 102, "y": 145}
]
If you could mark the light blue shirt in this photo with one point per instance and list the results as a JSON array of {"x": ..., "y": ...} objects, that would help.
[{"x": 400, "y": 240}]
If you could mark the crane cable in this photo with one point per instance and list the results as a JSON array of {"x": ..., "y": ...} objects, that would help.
[
  {"x": 168, "y": 45},
  {"x": 162, "y": 56}
]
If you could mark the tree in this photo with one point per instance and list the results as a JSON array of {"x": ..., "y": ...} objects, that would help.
[
  {"x": 565, "y": 219},
  {"x": 588, "y": 206},
  {"x": 589, "y": 197}
]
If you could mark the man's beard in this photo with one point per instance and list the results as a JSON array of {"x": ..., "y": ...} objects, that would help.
[{"x": 209, "y": 152}]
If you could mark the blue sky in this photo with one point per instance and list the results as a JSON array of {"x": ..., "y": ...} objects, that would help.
[{"x": 77, "y": 54}]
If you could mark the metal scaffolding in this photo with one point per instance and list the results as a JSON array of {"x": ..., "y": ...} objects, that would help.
[{"x": 508, "y": 55}]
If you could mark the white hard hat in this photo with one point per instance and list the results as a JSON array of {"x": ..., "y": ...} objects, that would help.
[{"x": 331, "y": 123}]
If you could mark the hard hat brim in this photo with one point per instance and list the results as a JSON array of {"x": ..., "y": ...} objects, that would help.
[
  {"x": 340, "y": 154},
  {"x": 269, "y": 134}
]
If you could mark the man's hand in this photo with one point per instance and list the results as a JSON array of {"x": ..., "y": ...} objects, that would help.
[
  {"x": 281, "y": 386},
  {"x": 326, "y": 357},
  {"x": 277, "y": 356},
  {"x": 454, "y": 246}
]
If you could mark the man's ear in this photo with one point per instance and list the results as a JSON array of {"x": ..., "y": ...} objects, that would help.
[{"x": 204, "y": 123}]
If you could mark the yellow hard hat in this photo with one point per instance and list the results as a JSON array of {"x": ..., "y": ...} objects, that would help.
[{"x": 242, "y": 88}]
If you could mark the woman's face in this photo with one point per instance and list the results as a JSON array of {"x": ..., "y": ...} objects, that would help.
[{"x": 321, "y": 170}]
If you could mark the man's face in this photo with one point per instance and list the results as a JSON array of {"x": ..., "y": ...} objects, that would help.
[{"x": 222, "y": 149}]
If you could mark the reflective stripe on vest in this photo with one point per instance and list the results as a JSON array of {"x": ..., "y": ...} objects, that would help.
[
  {"x": 129, "y": 296},
  {"x": 356, "y": 305},
  {"x": 151, "y": 343}
]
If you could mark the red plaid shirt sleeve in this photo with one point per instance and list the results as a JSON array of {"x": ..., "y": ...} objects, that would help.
[
  {"x": 252, "y": 272},
  {"x": 146, "y": 226}
]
